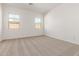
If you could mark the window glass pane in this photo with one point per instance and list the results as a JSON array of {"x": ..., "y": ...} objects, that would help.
[
  {"x": 37, "y": 20},
  {"x": 13, "y": 16},
  {"x": 17, "y": 16},
  {"x": 13, "y": 26},
  {"x": 11, "y": 20},
  {"x": 37, "y": 26},
  {"x": 14, "y": 21}
]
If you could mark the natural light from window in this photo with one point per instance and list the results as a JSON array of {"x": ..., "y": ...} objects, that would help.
[
  {"x": 37, "y": 23},
  {"x": 14, "y": 21}
]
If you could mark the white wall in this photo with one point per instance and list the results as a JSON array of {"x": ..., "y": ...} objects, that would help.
[
  {"x": 27, "y": 23},
  {"x": 0, "y": 21},
  {"x": 63, "y": 23}
]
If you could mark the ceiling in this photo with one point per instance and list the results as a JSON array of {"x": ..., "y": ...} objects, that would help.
[{"x": 39, "y": 7}]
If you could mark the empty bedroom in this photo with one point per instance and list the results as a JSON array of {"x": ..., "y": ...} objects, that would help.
[{"x": 39, "y": 29}]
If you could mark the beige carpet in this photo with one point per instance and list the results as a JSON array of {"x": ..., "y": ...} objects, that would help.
[{"x": 37, "y": 46}]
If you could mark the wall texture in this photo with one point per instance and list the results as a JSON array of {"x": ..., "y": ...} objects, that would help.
[
  {"x": 0, "y": 21},
  {"x": 63, "y": 23},
  {"x": 27, "y": 26}
]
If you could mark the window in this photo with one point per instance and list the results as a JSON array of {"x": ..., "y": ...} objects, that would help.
[
  {"x": 14, "y": 21},
  {"x": 37, "y": 23}
]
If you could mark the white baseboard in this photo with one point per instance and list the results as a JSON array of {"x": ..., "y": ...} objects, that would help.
[
  {"x": 52, "y": 36},
  {"x": 73, "y": 42},
  {"x": 21, "y": 37}
]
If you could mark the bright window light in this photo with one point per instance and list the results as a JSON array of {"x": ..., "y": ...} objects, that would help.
[
  {"x": 14, "y": 21},
  {"x": 37, "y": 20},
  {"x": 13, "y": 26},
  {"x": 13, "y": 16},
  {"x": 38, "y": 26},
  {"x": 37, "y": 23}
]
